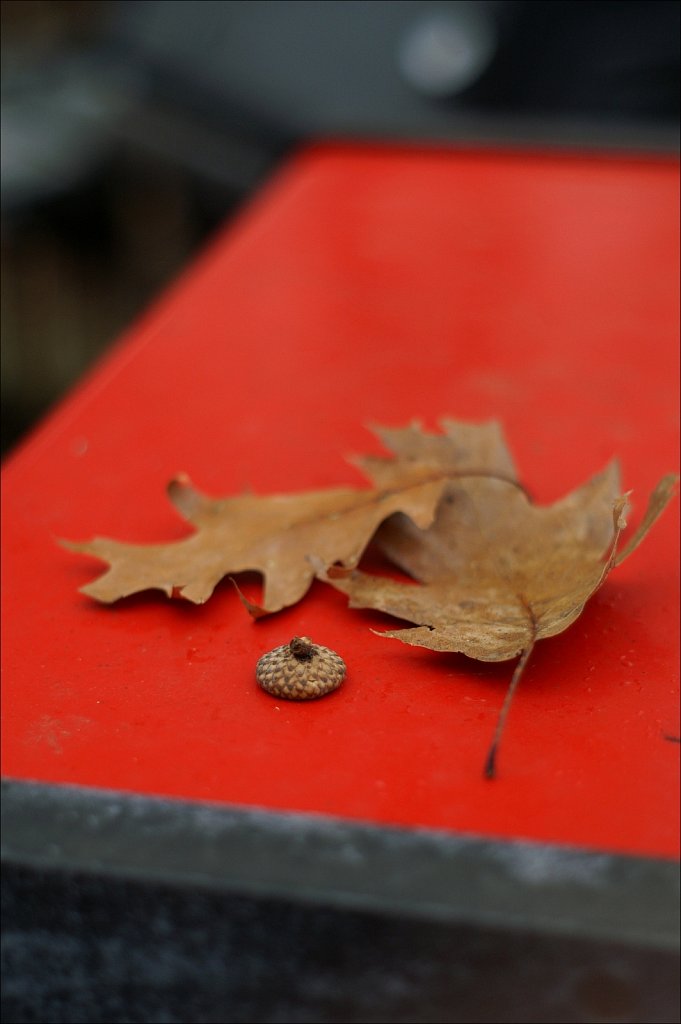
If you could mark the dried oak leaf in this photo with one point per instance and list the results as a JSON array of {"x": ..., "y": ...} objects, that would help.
[
  {"x": 279, "y": 536},
  {"x": 462, "y": 448},
  {"x": 498, "y": 573},
  {"x": 284, "y": 537}
]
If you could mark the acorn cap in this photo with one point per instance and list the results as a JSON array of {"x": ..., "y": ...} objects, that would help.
[{"x": 300, "y": 670}]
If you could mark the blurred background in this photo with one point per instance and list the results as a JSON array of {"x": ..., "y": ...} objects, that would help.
[{"x": 132, "y": 130}]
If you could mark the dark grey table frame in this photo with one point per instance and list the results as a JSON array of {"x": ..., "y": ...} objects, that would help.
[{"x": 125, "y": 908}]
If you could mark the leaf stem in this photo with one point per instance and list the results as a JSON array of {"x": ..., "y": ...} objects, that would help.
[{"x": 490, "y": 763}]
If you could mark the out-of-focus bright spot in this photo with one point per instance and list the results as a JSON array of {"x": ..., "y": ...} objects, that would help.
[{"x": 443, "y": 53}]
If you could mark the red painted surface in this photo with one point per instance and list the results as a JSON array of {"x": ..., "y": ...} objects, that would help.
[{"x": 369, "y": 285}]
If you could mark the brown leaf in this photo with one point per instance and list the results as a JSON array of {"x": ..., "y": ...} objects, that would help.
[
  {"x": 285, "y": 537},
  {"x": 499, "y": 573},
  {"x": 470, "y": 448},
  {"x": 279, "y": 536}
]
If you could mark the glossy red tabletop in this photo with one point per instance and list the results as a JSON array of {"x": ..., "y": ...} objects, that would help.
[{"x": 369, "y": 285}]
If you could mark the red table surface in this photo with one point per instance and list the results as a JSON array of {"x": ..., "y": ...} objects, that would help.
[{"x": 369, "y": 285}]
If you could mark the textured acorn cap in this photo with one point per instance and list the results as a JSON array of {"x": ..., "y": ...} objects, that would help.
[{"x": 300, "y": 670}]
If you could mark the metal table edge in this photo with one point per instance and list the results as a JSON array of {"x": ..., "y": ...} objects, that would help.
[{"x": 424, "y": 874}]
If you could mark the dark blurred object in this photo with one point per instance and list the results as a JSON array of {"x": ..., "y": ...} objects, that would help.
[
  {"x": 131, "y": 130},
  {"x": 415, "y": 68}
]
